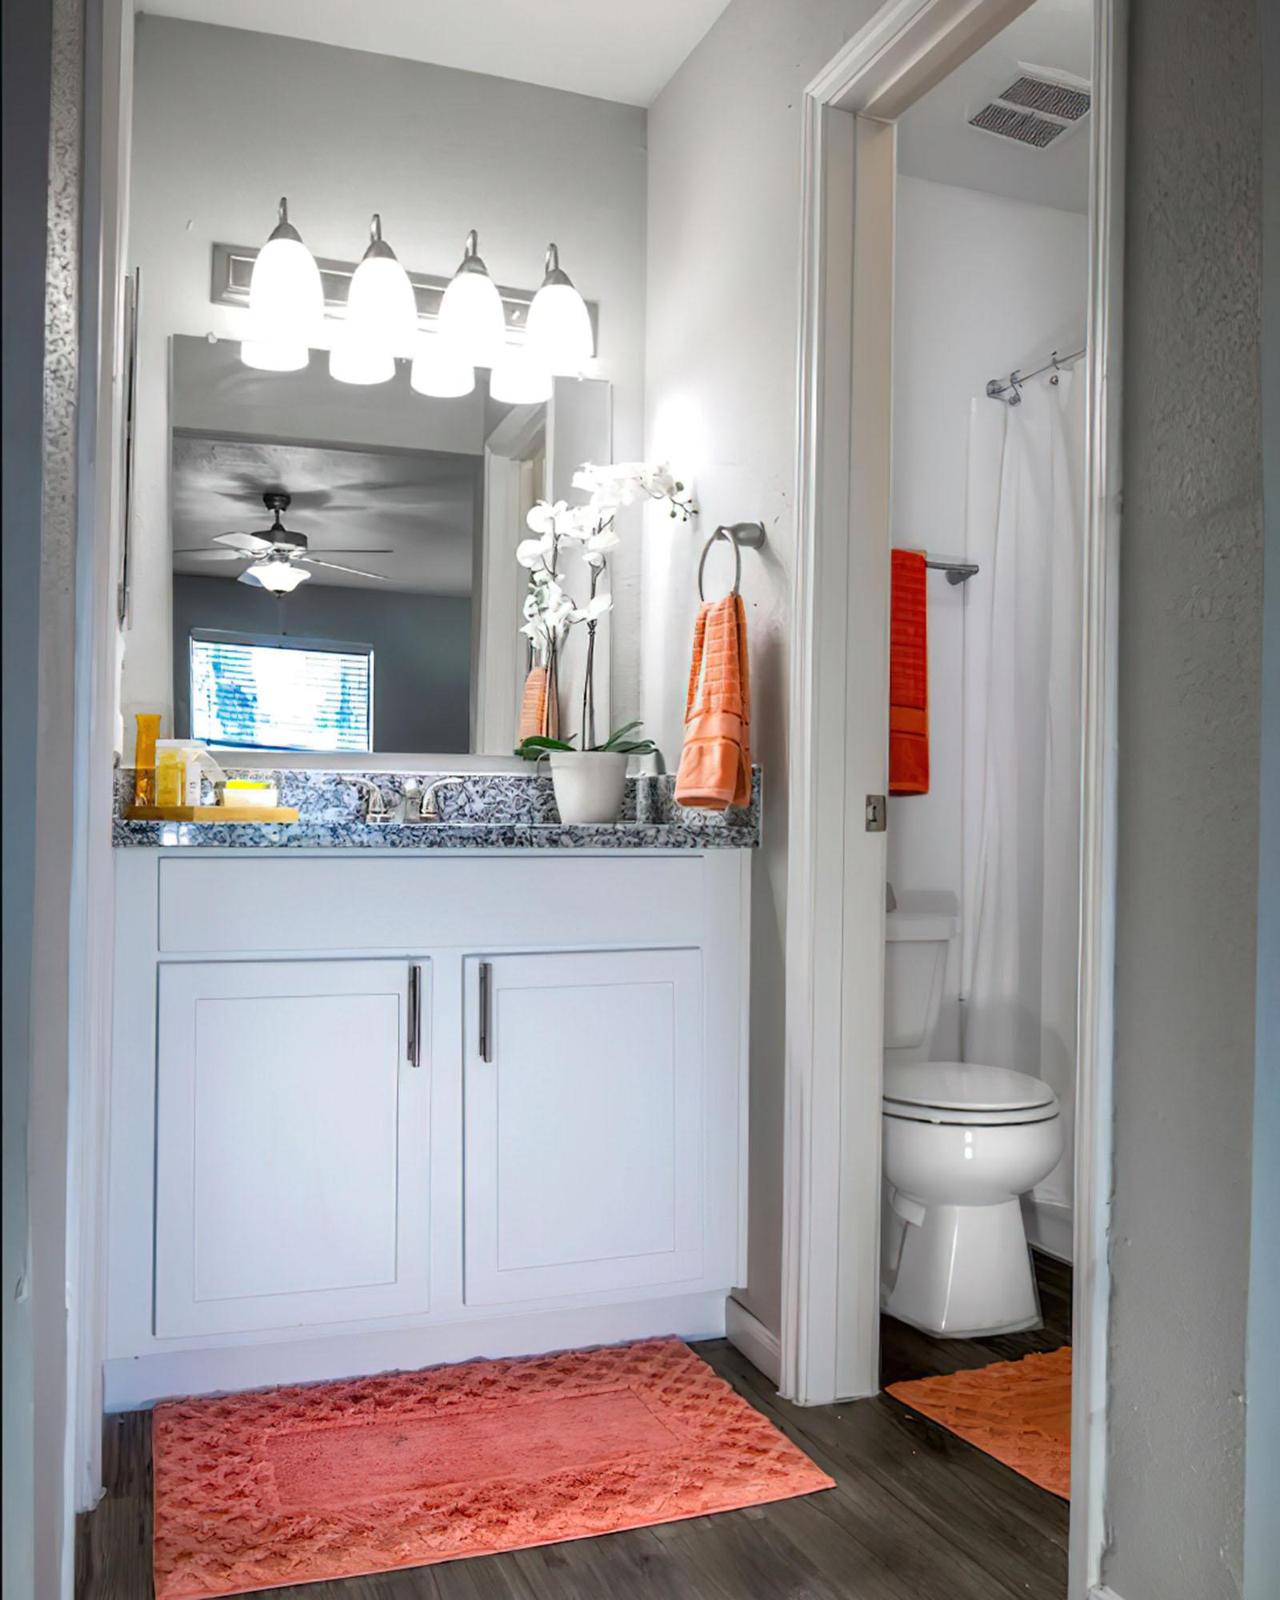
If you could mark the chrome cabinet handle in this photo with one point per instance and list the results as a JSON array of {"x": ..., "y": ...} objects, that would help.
[
  {"x": 415, "y": 1015},
  {"x": 486, "y": 1004}
]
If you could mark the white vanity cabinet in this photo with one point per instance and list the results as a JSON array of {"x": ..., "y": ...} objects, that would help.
[
  {"x": 290, "y": 1158},
  {"x": 586, "y": 1139},
  {"x": 375, "y": 1109}
]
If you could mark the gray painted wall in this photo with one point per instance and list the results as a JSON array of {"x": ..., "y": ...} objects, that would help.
[
  {"x": 1262, "y": 1444},
  {"x": 720, "y": 390},
  {"x": 1190, "y": 632},
  {"x": 421, "y": 649},
  {"x": 26, "y": 42}
]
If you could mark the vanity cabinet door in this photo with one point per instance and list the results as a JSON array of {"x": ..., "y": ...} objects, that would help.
[
  {"x": 291, "y": 1144},
  {"x": 584, "y": 1124}
]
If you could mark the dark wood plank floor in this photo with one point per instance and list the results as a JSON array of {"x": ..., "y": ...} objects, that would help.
[{"x": 917, "y": 1514}]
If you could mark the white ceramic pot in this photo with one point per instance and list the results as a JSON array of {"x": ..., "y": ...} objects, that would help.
[{"x": 589, "y": 784}]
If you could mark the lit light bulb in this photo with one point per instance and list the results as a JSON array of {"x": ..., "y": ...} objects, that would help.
[
  {"x": 471, "y": 314},
  {"x": 354, "y": 360},
  {"x": 274, "y": 355},
  {"x": 520, "y": 378},
  {"x": 286, "y": 299},
  {"x": 439, "y": 370},
  {"x": 559, "y": 325},
  {"x": 381, "y": 308},
  {"x": 277, "y": 573}
]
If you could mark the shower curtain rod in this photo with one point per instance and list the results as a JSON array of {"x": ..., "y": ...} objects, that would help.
[{"x": 999, "y": 387}]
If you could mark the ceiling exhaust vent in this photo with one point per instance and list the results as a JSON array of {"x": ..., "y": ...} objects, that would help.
[{"x": 1037, "y": 108}]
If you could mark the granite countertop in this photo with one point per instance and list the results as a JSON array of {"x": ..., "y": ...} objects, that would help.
[{"x": 486, "y": 811}]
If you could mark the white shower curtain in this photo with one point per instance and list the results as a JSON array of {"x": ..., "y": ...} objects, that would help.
[{"x": 1022, "y": 740}]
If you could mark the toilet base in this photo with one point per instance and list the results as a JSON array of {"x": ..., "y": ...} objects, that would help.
[{"x": 960, "y": 1272}]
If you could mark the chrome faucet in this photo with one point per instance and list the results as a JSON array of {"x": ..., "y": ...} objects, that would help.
[
  {"x": 376, "y": 810},
  {"x": 421, "y": 805}
]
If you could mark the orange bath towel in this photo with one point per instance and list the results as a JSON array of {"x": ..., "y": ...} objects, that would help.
[
  {"x": 715, "y": 764},
  {"x": 908, "y": 676},
  {"x": 538, "y": 710}
]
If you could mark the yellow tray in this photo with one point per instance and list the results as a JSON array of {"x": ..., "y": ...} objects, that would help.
[{"x": 211, "y": 814}]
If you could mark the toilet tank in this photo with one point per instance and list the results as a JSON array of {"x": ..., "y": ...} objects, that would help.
[{"x": 918, "y": 935}]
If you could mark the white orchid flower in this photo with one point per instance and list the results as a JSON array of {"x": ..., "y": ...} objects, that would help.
[
  {"x": 597, "y": 547},
  {"x": 543, "y": 517},
  {"x": 594, "y": 609},
  {"x": 533, "y": 553},
  {"x": 587, "y": 478},
  {"x": 578, "y": 523}
]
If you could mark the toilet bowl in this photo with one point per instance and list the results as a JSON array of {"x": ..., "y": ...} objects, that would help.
[{"x": 962, "y": 1143}]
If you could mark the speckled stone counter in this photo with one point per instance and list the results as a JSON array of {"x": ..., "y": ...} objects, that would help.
[{"x": 485, "y": 811}]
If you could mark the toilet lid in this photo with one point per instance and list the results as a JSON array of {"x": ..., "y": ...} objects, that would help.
[{"x": 964, "y": 1086}]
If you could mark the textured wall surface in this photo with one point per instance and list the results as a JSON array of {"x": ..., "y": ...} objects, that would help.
[{"x": 1190, "y": 619}]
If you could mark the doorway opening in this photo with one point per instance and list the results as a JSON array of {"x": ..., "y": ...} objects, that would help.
[{"x": 949, "y": 976}]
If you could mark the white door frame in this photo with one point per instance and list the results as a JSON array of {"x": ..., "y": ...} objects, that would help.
[{"x": 839, "y": 714}]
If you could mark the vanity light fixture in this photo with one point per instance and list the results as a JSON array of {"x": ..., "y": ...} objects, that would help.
[
  {"x": 520, "y": 377},
  {"x": 276, "y": 573},
  {"x": 471, "y": 314},
  {"x": 439, "y": 370},
  {"x": 286, "y": 300},
  {"x": 382, "y": 316},
  {"x": 559, "y": 325}
]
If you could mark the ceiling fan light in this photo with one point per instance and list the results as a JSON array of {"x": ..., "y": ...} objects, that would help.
[
  {"x": 275, "y": 355},
  {"x": 381, "y": 307},
  {"x": 520, "y": 378},
  {"x": 471, "y": 315},
  {"x": 440, "y": 371},
  {"x": 354, "y": 360},
  {"x": 280, "y": 575},
  {"x": 286, "y": 296},
  {"x": 559, "y": 325}
]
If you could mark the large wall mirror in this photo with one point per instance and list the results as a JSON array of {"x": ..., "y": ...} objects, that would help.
[
  {"x": 327, "y": 568},
  {"x": 340, "y": 582}
]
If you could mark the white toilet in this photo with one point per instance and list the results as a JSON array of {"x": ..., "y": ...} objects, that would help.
[{"x": 962, "y": 1142}]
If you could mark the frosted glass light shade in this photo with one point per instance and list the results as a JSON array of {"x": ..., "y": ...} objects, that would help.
[
  {"x": 274, "y": 355},
  {"x": 520, "y": 378},
  {"x": 381, "y": 309},
  {"x": 559, "y": 329},
  {"x": 286, "y": 297},
  {"x": 440, "y": 371},
  {"x": 354, "y": 359},
  {"x": 471, "y": 314},
  {"x": 281, "y": 577}
]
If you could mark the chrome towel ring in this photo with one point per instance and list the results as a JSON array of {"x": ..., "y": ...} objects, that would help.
[{"x": 739, "y": 534}]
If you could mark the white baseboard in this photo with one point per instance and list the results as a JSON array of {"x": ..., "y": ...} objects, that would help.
[
  {"x": 1101, "y": 1592},
  {"x": 749, "y": 1336},
  {"x": 1049, "y": 1226},
  {"x": 137, "y": 1382}
]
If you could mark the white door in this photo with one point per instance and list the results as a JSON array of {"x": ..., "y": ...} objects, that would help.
[
  {"x": 584, "y": 1124},
  {"x": 292, "y": 1124}
]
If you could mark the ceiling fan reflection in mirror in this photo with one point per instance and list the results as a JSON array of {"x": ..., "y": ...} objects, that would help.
[{"x": 279, "y": 558}]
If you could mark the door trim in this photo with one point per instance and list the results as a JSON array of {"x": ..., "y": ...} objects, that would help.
[{"x": 831, "y": 1200}]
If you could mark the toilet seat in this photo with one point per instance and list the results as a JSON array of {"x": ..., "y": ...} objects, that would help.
[{"x": 966, "y": 1094}]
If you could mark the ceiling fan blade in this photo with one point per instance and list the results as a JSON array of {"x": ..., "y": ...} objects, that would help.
[
  {"x": 336, "y": 550},
  {"x": 250, "y": 542},
  {"x": 216, "y": 555},
  {"x": 334, "y": 566}
]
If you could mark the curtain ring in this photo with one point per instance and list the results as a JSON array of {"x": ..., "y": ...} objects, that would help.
[{"x": 722, "y": 533}]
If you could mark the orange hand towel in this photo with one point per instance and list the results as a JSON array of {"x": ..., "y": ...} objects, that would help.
[
  {"x": 715, "y": 764},
  {"x": 908, "y": 676},
  {"x": 538, "y": 710}
]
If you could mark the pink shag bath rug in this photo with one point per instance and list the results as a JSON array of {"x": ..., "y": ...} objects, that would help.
[{"x": 253, "y": 1491}]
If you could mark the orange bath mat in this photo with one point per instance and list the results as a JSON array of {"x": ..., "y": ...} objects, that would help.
[
  {"x": 1017, "y": 1411},
  {"x": 253, "y": 1491}
]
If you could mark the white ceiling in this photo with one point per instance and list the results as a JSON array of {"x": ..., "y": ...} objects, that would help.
[
  {"x": 935, "y": 140},
  {"x": 612, "y": 49}
]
